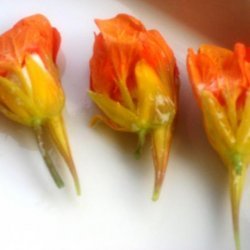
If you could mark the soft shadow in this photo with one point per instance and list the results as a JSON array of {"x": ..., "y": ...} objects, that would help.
[
  {"x": 140, "y": 170},
  {"x": 24, "y": 137},
  {"x": 192, "y": 145},
  {"x": 21, "y": 134},
  {"x": 224, "y": 21},
  {"x": 127, "y": 144}
]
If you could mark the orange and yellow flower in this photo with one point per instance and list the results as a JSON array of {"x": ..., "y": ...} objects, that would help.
[
  {"x": 221, "y": 82},
  {"x": 134, "y": 81},
  {"x": 30, "y": 88}
]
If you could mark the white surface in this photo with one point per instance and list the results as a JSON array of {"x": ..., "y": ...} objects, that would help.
[{"x": 115, "y": 211}]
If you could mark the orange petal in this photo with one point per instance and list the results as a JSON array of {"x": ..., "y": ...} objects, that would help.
[
  {"x": 32, "y": 34},
  {"x": 243, "y": 55},
  {"x": 216, "y": 54},
  {"x": 156, "y": 51},
  {"x": 121, "y": 27},
  {"x": 203, "y": 73},
  {"x": 102, "y": 81},
  {"x": 121, "y": 40}
]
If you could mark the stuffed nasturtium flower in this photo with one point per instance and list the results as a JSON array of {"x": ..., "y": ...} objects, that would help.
[
  {"x": 135, "y": 84},
  {"x": 221, "y": 82},
  {"x": 30, "y": 88}
]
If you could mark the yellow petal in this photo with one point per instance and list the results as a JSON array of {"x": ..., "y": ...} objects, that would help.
[
  {"x": 147, "y": 87},
  {"x": 14, "y": 103},
  {"x": 126, "y": 96},
  {"x": 100, "y": 118},
  {"x": 155, "y": 106},
  {"x": 243, "y": 132},
  {"x": 57, "y": 131},
  {"x": 216, "y": 124},
  {"x": 47, "y": 94},
  {"x": 161, "y": 140},
  {"x": 118, "y": 114}
]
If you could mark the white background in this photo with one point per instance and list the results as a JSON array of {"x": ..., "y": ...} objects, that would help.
[{"x": 115, "y": 211}]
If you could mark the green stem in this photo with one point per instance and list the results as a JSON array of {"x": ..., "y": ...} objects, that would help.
[
  {"x": 157, "y": 190},
  {"x": 50, "y": 165},
  {"x": 236, "y": 187},
  {"x": 141, "y": 140}
]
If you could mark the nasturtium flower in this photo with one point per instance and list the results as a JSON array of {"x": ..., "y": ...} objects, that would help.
[
  {"x": 134, "y": 81},
  {"x": 221, "y": 82},
  {"x": 30, "y": 89}
]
